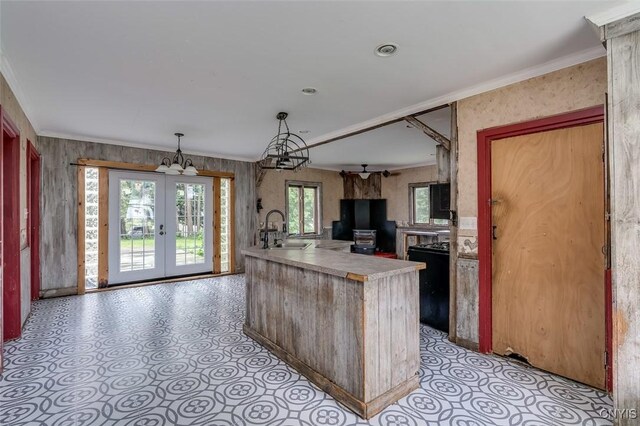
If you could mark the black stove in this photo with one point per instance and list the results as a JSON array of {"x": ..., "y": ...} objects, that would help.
[{"x": 440, "y": 247}]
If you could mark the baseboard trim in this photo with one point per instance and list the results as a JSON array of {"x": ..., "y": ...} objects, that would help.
[
  {"x": 73, "y": 291},
  {"x": 58, "y": 292},
  {"x": 468, "y": 344}
]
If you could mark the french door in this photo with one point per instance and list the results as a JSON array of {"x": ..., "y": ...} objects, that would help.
[{"x": 159, "y": 226}]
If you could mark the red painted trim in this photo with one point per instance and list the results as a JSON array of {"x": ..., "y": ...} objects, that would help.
[
  {"x": 485, "y": 137},
  {"x": 1, "y": 248},
  {"x": 8, "y": 125},
  {"x": 10, "y": 227},
  {"x": 33, "y": 227},
  {"x": 485, "y": 317},
  {"x": 608, "y": 312}
]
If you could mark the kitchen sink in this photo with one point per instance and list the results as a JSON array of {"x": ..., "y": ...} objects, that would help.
[{"x": 290, "y": 245}]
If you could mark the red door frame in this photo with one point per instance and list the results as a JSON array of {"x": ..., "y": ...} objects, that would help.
[
  {"x": 485, "y": 137},
  {"x": 33, "y": 207},
  {"x": 1, "y": 248},
  {"x": 11, "y": 315}
]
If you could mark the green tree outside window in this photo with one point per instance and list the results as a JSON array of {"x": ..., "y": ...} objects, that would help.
[{"x": 303, "y": 207}]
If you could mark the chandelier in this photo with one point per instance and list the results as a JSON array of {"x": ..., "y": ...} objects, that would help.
[
  {"x": 285, "y": 151},
  {"x": 179, "y": 165}
]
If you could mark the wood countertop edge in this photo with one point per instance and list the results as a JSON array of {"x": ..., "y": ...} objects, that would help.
[
  {"x": 356, "y": 277},
  {"x": 338, "y": 273}
]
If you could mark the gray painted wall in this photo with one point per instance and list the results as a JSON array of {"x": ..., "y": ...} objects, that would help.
[
  {"x": 59, "y": 201},
  {"x": 25, "y": 284}
]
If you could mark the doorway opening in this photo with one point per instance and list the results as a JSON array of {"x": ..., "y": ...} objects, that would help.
[
  {"x": 161, "y": 226},
  {"x": 138, "y": 226},
  {"x": 33, "y": 218},
  {"x": 551, "y": 307},
  {"x": 10, "y": 227}
]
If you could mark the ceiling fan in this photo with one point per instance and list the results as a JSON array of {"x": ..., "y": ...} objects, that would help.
[{"x": 364, "y": 173}]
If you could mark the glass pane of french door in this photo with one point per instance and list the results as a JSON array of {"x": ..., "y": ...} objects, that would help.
[
  {"x": 136, "y": 218},
  {"x": 189, "y": 225}
]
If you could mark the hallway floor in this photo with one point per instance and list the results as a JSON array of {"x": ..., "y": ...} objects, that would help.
[{"x": 175, "y": 354}]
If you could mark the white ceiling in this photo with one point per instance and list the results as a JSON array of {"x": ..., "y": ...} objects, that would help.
[
  {"x": 136, "y": 72},
  {"x": 392, "y": 147}
]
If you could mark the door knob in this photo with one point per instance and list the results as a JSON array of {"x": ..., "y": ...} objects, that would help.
[{"x": 493, "y": 232}]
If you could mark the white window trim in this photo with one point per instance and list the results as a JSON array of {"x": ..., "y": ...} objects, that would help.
[{"x": 318, "y": 186}]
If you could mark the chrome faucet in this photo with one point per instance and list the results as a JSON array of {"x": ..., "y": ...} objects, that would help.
[{"x": 266, "y": 226}]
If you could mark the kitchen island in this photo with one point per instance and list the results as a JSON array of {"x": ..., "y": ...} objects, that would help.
[{"x": 348, "y": 322}]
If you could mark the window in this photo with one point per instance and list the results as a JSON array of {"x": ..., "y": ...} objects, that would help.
[
  {"x": 303, "y": 208},
  {"x": 225, "y": 225},
  {"x": 419, "y": 204},
  {"x": 91, "y": 225}
]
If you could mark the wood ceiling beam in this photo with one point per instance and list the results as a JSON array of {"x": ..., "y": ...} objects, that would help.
[
  {"x": 376, "y": 126},
  {"x": 433, "y": 134},
  {"x": 348, "y": 135}
]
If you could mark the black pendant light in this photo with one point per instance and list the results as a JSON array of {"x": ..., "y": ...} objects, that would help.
[
  {"x": 286, "y": 151},
  {"x": 179, "y": 165}
]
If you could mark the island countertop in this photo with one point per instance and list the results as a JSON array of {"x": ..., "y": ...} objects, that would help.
[
  {"x": 350, "y": 323},
  {"x": 329, "y": 257}
]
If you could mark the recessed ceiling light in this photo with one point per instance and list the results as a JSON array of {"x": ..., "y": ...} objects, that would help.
[
  {"x": 304, "y": 132},
  {"x": 386, "y": 49},
  {"x": 309, "y": 90}
]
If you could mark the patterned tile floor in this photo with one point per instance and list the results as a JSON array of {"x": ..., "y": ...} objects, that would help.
[{"x": 175, "y": 354}]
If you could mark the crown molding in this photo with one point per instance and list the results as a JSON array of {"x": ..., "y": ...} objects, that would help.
[
  {"x": 149, "y": 146},
  {"x": 12, "y": 80},
  {"x": 516, "y": 77},
  {"x": 614, "y": 14}
]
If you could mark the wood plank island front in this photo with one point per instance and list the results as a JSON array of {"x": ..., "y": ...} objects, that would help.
[{"x": 348, "y": 322}]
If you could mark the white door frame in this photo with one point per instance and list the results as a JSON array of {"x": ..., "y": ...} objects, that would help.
[
  {"x": 115, "y": 275},
  {"x": 171, "y": 269}
]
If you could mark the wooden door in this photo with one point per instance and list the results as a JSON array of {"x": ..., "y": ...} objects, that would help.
[{"x": 548, "y": 301}]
